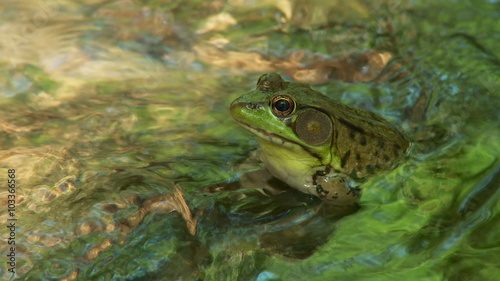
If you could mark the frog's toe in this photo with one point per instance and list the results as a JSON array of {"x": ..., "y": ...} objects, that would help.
[{"x": 337, "y": 190}]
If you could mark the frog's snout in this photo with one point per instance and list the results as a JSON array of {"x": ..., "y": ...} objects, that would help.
[
  {"x": 241, "y": 110},
  {"x": 235, "y": 104},
  {"x": 236, "y": 107}
]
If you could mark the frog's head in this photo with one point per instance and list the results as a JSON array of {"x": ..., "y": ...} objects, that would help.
[{"x": 288, "y": 114}]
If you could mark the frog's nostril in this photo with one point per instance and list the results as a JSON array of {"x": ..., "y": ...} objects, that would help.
[{"x": 253, "y": 106}]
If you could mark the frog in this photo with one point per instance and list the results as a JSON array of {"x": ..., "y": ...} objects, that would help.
[{"x": 315, "y": 144}]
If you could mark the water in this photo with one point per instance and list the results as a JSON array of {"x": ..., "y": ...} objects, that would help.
[{"x": 115, "y": 118}]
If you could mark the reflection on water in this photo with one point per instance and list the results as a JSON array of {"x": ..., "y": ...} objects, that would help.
[{"x": 115, "y": 117}]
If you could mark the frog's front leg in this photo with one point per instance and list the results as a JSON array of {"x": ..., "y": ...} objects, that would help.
[{"x": 335, "y": 188}]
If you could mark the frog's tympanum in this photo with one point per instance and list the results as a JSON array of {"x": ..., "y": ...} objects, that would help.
[{"x": 315, "y": 144}]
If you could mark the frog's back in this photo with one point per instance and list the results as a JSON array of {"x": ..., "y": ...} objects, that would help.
[{"x": 366, "y": 142}]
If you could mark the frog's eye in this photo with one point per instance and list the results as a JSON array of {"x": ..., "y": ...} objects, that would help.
[
  {"x": 271, "y": 82},
  {"x": 282, "y": 105}
]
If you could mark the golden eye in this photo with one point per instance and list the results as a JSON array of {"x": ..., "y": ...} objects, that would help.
[{"x": 282, "y": 105}]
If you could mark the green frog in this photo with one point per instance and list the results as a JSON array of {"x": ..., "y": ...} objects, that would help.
[{"x": 315, "y": 144}]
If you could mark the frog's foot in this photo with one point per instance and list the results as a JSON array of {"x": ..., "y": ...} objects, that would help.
[
  {"x": 336, "y": 189},
  {"x": 261, "y": 180}
]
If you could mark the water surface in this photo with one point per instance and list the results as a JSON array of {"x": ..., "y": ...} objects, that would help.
[{"x": 114, "y": 115}]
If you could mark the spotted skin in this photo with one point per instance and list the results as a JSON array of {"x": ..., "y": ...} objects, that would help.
[
  {"x": 365, "y": 152},
  {"x": 315, "y": 144}
]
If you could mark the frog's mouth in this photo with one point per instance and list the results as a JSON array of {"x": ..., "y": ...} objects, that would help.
[
  {"x": 280, "y": 141},
  {"x": 264, "y": 135}
]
